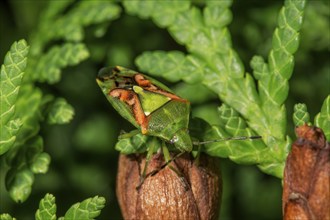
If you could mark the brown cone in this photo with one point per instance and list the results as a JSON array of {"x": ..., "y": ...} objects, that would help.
[
  {"x": 193, "y": 193},
  {"x": 307, "y": 177}
]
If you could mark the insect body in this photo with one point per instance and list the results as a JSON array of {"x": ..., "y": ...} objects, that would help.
[
  {"x": 148, "y": 105},
  {"x": 152, "y": 108}
]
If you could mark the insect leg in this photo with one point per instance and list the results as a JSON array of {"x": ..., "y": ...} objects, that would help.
[
  {"x": 168, "y": 160},
  {"x": 199, "y": 149},
  {"x": 130, "y": 134},
  {"x": 149, "y": 154}
]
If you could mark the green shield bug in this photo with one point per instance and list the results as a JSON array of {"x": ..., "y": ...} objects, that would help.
[
  {"x": 148, "y": 104},
  {"x": 152, "y": 108}
]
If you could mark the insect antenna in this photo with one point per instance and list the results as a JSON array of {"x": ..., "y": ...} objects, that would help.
[
  {"x": 238, "y": 138},
  {"x": 166, "y": 164}
]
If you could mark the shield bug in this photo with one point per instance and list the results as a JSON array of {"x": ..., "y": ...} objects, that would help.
[
  {"x": 152, "y": 108},
  {"x": 148, "y": 104}
]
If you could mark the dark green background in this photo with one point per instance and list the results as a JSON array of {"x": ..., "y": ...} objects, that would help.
[{"x": 84, "y": 161}]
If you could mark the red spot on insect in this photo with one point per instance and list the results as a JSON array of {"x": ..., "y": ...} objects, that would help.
[
  {"x": 132, "y": 100},
  {"x": 147, "y": 85},
  {"x": 141, "y": 81}
]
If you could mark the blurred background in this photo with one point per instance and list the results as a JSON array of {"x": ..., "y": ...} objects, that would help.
[{"x": 84, "y": 161}]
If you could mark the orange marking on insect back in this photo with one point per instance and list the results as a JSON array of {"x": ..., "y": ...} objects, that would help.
[
  {"x": 147, "y": 85},
  {"x": 141, "y": 81},
  {"x": 132, "y": 100},
  {"x": 170, "y": 95},
  {"x": 122, "y": 94}
]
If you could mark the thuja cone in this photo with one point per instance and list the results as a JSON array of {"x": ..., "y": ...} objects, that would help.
[
  {"x": 306, "y": 190},
  {"x": 181, "y": 190}
]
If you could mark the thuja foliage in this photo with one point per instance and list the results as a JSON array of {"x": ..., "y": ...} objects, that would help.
[
  {"x": 213, "y": 62},
  {"x": 24, "y": 106},
  {"x": 73, "y": 34},
  {"x": 321, "y": 120},
  {"x": 87, "y": 209}
]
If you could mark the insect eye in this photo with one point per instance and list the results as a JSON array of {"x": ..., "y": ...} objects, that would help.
[
  {"x": 104, "y": 74},
  {"x": 174, "y": 139}
]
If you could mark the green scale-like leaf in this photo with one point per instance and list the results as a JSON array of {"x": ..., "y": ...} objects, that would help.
[
  {"x": 87, "y": 209},
  {"x": 24, "y": 162},
  {"x": 20, "y": 185},
  {"x": 132, "y": 143},
  {"x": 67, "y": 26},
  {"x": 47, "y": 208},
  {"x": 322, "y": 119},
  {"x": 40, "y": 163},
  {"x": 45, "y": 65},
  {"x": 300, "y": 115},
  {"x": 61, "y": 112},
  {"x": 135, "y": 142},
  {"x": 49, "y": 65},
  {"x": 231, "y": 125},
  {"x": 29, "y": 98},
  {"x": 6, "y": 216},
  {"x": 12, "y": 72}
]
